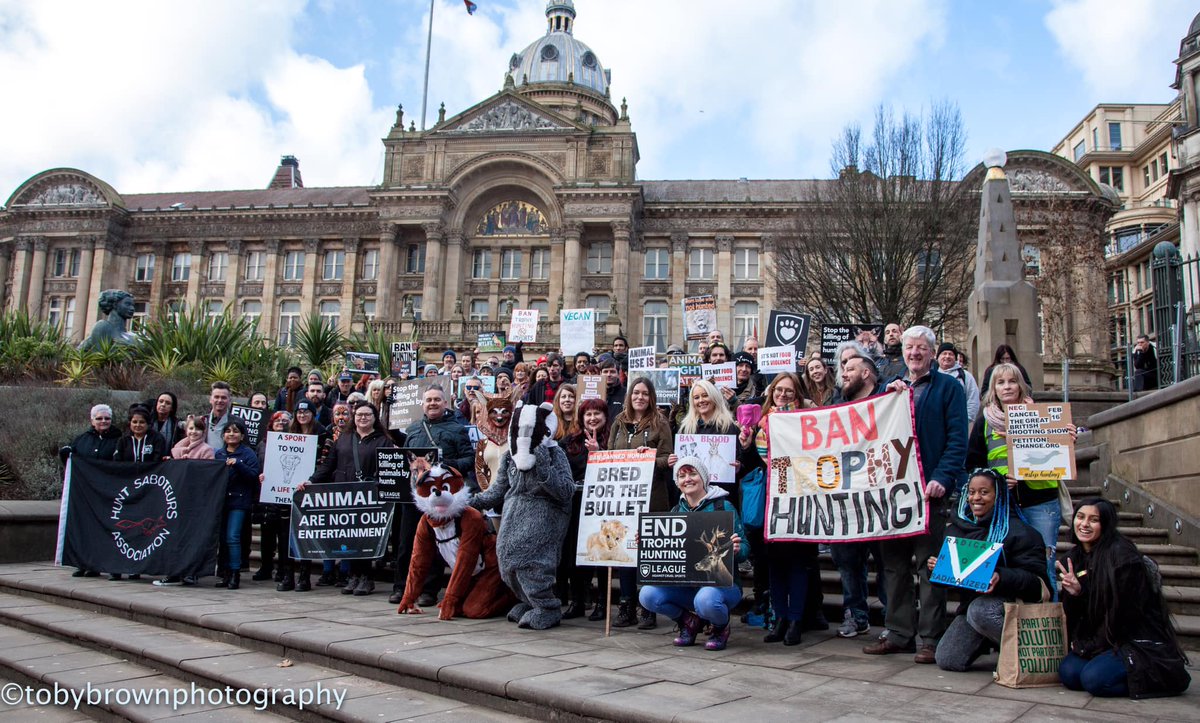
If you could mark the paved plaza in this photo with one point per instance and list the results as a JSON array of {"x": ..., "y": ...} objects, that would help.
[{"x": 56, "y": 629}]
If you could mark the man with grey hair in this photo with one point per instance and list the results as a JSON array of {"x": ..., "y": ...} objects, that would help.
[{"x": 941, "y": 428}]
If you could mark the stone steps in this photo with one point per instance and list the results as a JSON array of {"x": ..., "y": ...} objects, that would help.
[{"x": 74, "y": 643}]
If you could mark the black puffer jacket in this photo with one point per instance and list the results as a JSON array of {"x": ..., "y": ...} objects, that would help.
[
  {"x": 1022, "y": 565},
  {"x": 93, "y": 444}
]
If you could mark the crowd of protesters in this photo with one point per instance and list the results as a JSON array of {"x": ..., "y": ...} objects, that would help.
[{"x": 960, "y": 427}]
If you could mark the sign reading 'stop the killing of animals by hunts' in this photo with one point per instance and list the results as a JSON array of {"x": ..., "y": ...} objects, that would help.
[{"x": 847, "y": 472}]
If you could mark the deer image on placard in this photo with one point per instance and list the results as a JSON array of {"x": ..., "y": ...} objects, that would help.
[{"x": 718, "y": 543}]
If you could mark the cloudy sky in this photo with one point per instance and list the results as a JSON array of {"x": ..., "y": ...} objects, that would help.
[{"x": 165, "y": 95}]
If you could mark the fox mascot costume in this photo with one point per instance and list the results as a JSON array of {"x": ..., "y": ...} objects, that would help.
[{"x": 457, "y": 534}]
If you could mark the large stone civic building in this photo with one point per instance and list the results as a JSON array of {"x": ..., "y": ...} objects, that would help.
[{"x": 529, "y": 199}]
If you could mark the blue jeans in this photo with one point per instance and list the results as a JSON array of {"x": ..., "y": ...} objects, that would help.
[
  {"x": 233, "y": 537},
  {"x": 852, "y": 563},
  {"x": 327, "y": 566},
  {"x": 711, "y": 603},
  {"x": 1045, "y": 518},
  {"x": 788, "y": 580},
  {"x": 1103, "y": 676}
]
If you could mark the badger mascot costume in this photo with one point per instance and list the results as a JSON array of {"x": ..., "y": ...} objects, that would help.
[
  {"x": 535, "y": 485},
  {"x": 453, "y": 532}
]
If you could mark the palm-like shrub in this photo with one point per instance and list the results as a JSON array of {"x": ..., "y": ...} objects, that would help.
[
  {"x": 30, "y": 349},
  {"x": 318, "y": 342}
]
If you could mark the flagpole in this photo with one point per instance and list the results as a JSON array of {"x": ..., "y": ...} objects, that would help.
[{"x": 428, "y": 48}]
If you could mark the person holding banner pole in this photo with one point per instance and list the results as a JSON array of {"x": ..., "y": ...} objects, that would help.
[
  {"x": 940, "y": 422},
  {"x": 692, "y": 607},
  {"x": 789, "y": 565},
  {"x": 240, "y": 495},
  {"x": 989, "y": 512},
  {"x": 640, "y": 426},
  {"x": 99, "y": 441}
]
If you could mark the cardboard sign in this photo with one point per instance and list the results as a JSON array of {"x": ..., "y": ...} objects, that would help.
[
  {"x": 342, "y": 521},
  {"x": 689, "y": 366},
  {"x": 289, "y": 460},
  {"x": 847, "y": 472},
  {"x": 490, "y": 342},
  {"x": 404, "y": 359},
  {"x": 591, "y": 386},
  {"x": 699, "y": 316},
  {"x": 641, "y": 357},
  {"x": 784, "y": 328},
  {"x": 577, "y": 331},
  {"x": 723, "y": 376},
  {"x": 254, "y": 420},
  {"x": 718, "y": 452},
  {"x": 404, "y": 406},
  {"x": 399, "y": 467},
  {"x": 1039, "y": 442},
  {"x": 361, "y": 362},
  {"x": 776, "y": 359},
  {"x": 523, "y": 326},
  {"x": 966, "y": 563},
  {"x": 665, "y": 381},
  {"x": 834, "y": 334},
  {"x": 616, "y": 489},
  {"x": 688, "y": 548}
]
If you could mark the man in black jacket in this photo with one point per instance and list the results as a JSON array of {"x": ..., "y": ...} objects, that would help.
[{"x": 1145, "y": 365}]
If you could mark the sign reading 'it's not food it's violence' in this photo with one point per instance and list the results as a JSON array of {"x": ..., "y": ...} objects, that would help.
[{"x": 847, "y": 472}]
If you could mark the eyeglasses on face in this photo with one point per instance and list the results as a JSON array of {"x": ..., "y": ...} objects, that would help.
[
  {"x": 363, "y": 415},
  {"x": 102, "y": 419}
]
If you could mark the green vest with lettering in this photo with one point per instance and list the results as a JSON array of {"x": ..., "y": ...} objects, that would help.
[{"x": 997, "y": 457}]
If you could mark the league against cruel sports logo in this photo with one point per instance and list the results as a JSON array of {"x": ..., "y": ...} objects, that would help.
[{"x": 141, "y": 514}]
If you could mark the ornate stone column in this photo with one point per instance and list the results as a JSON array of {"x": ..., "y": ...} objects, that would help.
[
  {"x": 349, "y": 274},
  {"x": 312, "y": 268},
  {"x": 20, "y": 286},
  {"x": 679, "y": 268},
  {"x": 454, "y": 271},
  {"x": 37, "y": 278},
  {"x": 100, "y": 260},
  {"x": 572, "y": 271},
  {"x": 621, "y": 230},
  {"x": 386, "y": 283},
  {"x": 83, "y": 285},
  {"x": 766, "y": 267},
  {"x": 266, "y": 324},
  {"x": 196, "y": 251},
  {"x": 637, "y": 261},
  {"x": 556, "y": 272},
  {"x": 6, "y": 251},
  {"x": 233, "y": 273},
  {"x": 432, "y": 290},
  {"x": 725, "y": 284}
]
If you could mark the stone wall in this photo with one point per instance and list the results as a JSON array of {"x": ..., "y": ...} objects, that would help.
[
  {"x": 28, "y": 531},
  {"x": 1153, "y": 443}
]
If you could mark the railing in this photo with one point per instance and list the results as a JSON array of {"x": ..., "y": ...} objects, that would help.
[{"x": 1176, "y": 314}]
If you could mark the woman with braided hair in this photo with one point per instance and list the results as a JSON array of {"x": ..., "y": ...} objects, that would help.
[{"x": 988, "y": 511}]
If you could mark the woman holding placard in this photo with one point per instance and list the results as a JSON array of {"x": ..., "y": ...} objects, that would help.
[
  {"x": 640, "y": 426},
  {"x": 987, "y": 512},
  {"x": 692, "y": 607},
  {"x": 1122, "y": 641},
  {"x": 1038, "y": 500},
  {"x": 591, "y": 435},
  {"x": 789, "y": 564}
]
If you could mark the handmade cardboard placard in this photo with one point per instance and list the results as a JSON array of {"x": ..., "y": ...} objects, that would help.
[
  {"x": 641, "y": 357},
  {"x": 686, "y": 548},
  {"x": 1039, "y": 442},
  {"x": 576, "y": 331},
  {"x": 523, "y": 326},
  {"x": 404, "y": 359},
  {"x": 591, "y": 386},
  {"x": 966, "y": 563}
]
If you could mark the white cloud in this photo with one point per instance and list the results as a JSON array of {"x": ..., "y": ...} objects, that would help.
[{"x": 1117, "y": 44}]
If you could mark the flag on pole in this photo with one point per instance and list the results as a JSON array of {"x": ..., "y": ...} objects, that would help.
[{"x": 471, "y": 7}]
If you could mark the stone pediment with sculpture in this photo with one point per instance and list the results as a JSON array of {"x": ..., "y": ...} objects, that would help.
[{"x": 505, "y": 115}]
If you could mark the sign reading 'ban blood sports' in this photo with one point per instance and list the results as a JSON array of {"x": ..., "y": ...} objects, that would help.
[{"x": 847, "y": 472}]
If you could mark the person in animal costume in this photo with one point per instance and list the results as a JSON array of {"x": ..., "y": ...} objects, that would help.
[
  {"x": 452, "y": 530},
  {"x": 536, "y": 487}
]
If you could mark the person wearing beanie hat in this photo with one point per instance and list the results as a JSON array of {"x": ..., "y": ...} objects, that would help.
[
  {"x": 947, "y": 363},
  {"x": 431, "y": 370},
  {"x": 694, "y": 606},
  {"x": 748, "y": 386}
]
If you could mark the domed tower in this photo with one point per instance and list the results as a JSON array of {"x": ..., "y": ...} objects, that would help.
[{"x": 562, "y": 73}]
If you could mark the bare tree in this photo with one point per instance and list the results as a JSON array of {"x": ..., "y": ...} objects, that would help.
[{"x": 891, "y": 236}]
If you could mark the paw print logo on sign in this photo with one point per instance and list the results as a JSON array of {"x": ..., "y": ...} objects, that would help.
[{"x": 788, "y": 329}]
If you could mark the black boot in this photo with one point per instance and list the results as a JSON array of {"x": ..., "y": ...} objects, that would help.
[
  {"x": 235, "y": 580},
  {"x": 598, "y": 612},
  {"x": 626, "y": 614},
  {"x": 222, "y": 580},
  {"x": 263, "y": 573},
  {"x": 779, "y": 631},
  {"x": 792, "y": 636},
  {"x": 304, "y": 584},
  {"x": 287, "y": 584}
]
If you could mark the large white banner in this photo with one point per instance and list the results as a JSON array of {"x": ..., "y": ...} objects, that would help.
[
  {"x": 844, "y": 473},
  {"x": 616, "y": 489},
  {"x": 577, "y": 331},
  {"x": 289, "y": 459}
]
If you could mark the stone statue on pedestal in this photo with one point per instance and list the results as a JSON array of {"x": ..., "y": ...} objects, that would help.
[{"x": 117, "y": 306}]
